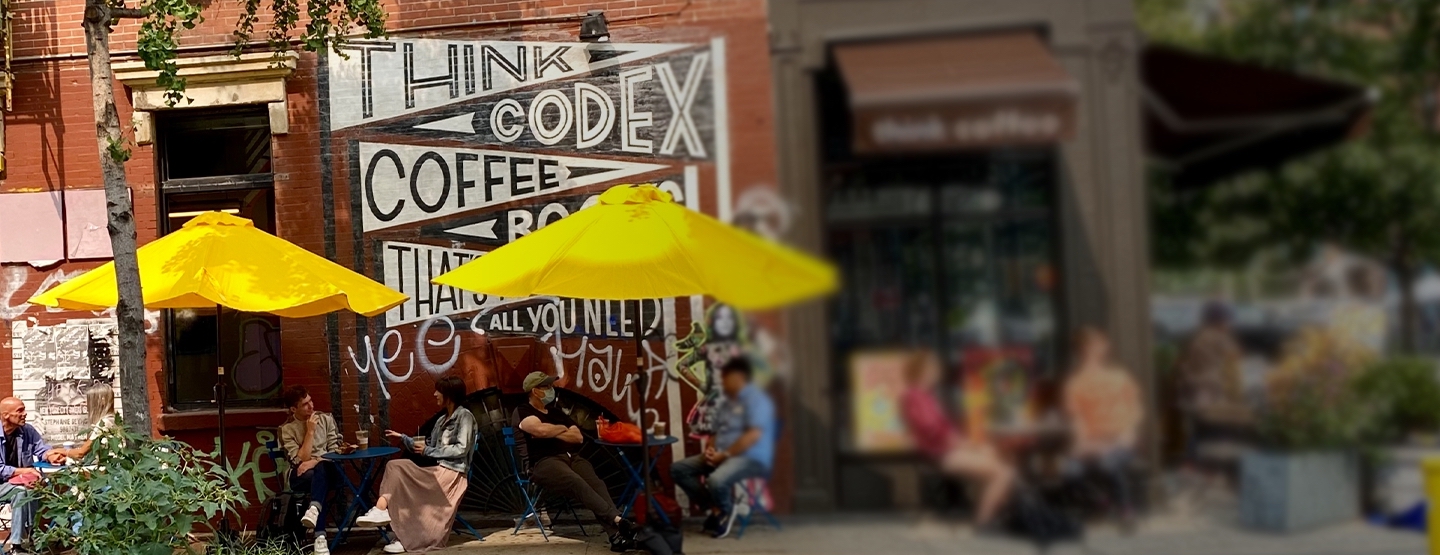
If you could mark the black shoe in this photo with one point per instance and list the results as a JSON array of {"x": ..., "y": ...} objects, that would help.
[
  {"x": 712, "y": 524},
  {"x": 627, "y": 528},
  {"x": 727, "y": 523},
  {"x": 620, "y": 543}
]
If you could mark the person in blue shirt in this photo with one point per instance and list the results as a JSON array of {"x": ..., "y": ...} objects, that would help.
[
  {"x": 20, "y": 446},
  {"x": 743, "y": 447}
]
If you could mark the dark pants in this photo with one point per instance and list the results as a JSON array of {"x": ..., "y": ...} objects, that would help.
[
  {"x": 319, "y": 481},
  {"x": 572, "y": 477},
  {"x": 1114, "y": 466}
]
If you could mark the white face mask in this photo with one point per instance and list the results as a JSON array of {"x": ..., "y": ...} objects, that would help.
[{"x": 548, "y": 397}]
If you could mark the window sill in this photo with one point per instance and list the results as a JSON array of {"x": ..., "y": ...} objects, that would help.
[{"x": 234, "y": 418}]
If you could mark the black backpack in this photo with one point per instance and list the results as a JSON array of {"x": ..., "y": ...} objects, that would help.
[
  {"x": 281, "y": 521},
  {"x": 1033, "y": 519}
]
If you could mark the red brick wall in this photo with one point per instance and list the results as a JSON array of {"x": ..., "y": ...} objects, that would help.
[{"x": 50, "y": 146}]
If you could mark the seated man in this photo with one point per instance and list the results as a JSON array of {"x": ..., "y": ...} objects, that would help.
[
  {"x": 1104, "y": 405},
  {"x": 20, "y": 446},
  {"x": 743, "y": 447},
  {"x": 307, "y": 437},
  {"x": 552, "y": 442}
]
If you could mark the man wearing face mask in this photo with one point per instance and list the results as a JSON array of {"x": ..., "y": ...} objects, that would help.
[{"x": 552, "y": 442}]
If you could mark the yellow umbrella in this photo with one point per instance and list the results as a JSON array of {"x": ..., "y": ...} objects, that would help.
[
  {"x": 219, "y": 259},
  {"x": 637, "y": 244}
]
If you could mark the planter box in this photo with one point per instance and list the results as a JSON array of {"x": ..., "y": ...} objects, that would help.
[{"x": 1285, "y": 492}]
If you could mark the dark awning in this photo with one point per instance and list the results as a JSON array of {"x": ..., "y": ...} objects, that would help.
[
  {"x": 980, "y": 90},
  {"x": 1207, "y": 118}
]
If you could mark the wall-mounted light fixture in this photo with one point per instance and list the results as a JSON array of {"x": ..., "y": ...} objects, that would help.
[{"x": 594, "y": 28}]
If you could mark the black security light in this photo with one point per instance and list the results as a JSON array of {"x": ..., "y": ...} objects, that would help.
[{"x": 594, "y": 28}]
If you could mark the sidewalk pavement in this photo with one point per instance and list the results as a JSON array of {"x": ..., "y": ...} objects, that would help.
[{"x": 874, "y": 535}]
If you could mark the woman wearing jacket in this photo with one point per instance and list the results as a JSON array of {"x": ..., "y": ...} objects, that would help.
[{"x": 418, "y": 503}]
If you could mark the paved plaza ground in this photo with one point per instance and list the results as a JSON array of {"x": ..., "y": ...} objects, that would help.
[{"x": 881, "y": 534}]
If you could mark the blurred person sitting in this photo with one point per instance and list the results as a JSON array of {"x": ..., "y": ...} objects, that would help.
[
  {"x": 427, "y": 497},
  {"x": 743, "y": 447},
  {"x": 100, "y": 402},
  {"x": 938, "y": 437},
  {"x": 1209, "y": 367},
  {"x": 552, "y": 441},
  {"x": 307, "y": 437},
  {"x": 1103, "y": 402}
]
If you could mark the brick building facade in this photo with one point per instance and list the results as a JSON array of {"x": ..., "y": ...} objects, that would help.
[{"x": 472, "y": 124}]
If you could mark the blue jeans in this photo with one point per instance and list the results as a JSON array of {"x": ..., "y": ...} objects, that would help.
[
  {"x": 320, "y": 481},
  {"x": 719, "y": 480},
  {"x": 1114, "y": 465},
  {"x": 22, "y": 511}
]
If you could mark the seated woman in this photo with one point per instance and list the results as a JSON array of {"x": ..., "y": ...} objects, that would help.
[
  {"x": 1103, "y": 402},
  {"x": 937, "y": 437},
  {"x": 425, "y": 498},
  {"x": 100, "y": 400}
]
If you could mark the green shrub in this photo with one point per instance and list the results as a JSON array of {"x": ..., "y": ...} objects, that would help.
[
  {"x": 133, "y": 494},
  {"x": 1406, "y": 395}
]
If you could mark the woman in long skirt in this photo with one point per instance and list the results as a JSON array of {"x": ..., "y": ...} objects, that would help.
[{"x": 418, "y": 503}]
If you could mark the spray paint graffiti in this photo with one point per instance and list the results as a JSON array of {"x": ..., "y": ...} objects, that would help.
[
  {"x": 249, "y": 464},
  {"x": 15, "y": 278},
  {"x": 599, "y": 369},
  {"x": 762, "y": 211}
]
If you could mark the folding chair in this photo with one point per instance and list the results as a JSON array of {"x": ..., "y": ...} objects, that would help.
[
  {"x": 469, "y": 478},
  {"x": 522, "y": 480},
  {"x": 748, "y": 494}
]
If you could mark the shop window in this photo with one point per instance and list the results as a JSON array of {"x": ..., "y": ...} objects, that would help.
[
  {"x": 218, "y": 161},
  {"x": 955, "y": 255}
]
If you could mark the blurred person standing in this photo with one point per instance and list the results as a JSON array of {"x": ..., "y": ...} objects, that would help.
[
  {"x": 939, "y": 438},
  {"x": 743, "y": 447},
  {"x": 1208, "y": 373},
  {"x": 1103, "y": 402}
]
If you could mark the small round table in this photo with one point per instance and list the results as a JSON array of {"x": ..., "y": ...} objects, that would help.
[
  {"x": 637, "y": 480},
  {"x": 364, "y": 461}
]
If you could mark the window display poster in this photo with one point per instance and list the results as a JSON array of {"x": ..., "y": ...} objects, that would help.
[
  {"x": 877, "y": 380},
  {"x": 996, "y": 387}
]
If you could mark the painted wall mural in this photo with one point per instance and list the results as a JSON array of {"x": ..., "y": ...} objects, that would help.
[{"x": 449, "y": 148}]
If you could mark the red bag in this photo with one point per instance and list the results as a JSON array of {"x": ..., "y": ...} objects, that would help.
[{"x": 618, "y": 432}]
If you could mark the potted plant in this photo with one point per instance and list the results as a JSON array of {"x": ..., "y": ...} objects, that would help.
[{"x": 1313, "y": 419}]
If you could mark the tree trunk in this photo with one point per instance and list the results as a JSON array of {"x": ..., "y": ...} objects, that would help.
[{"x": 131, "y": 308}]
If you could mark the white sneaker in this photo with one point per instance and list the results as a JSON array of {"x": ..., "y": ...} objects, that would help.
[
  {"x": 311, "y": 516},
  {"x": 322, "y": 547},
  {"x": 375, "y": 518},
  {"x": 395, "y": 547}
]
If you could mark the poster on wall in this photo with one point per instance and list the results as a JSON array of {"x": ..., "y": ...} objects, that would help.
[
  {"x": 55, "y": 367},
  {"x": 996, "y": 388},
  {"x": 877, "y": 379}
]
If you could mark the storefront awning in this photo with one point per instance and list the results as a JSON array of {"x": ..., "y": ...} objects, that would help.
[
  {"x": 974, "y": 91},
  {"x": 1208, "y": 118}
]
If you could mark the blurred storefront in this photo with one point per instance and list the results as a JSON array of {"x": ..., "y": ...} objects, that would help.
[{"x": 976, "y": 169}]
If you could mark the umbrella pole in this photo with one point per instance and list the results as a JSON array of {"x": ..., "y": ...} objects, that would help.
[
  {"x": 224, "y": 531},
  {"x": 643, "y": 382}
]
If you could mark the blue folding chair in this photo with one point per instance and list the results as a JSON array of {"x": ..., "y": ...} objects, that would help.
[
  {"x": 522, "y": 480},
  {"x": 754, "y": 503},
  {"x": 469, "y": 478}
]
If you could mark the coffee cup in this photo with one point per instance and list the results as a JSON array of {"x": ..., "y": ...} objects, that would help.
[
  {"x": 419, "y": 442},
  {"x": 362, "y": 439},
  {"x": 658, "y": 430}
]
